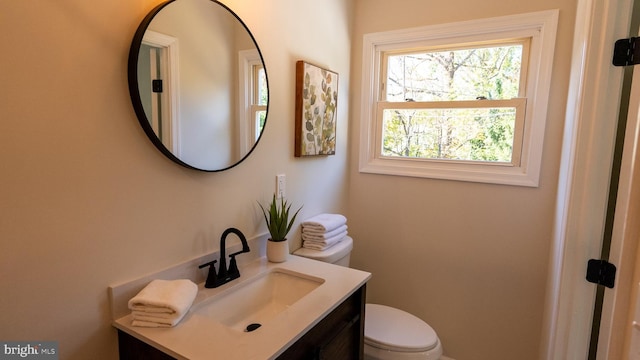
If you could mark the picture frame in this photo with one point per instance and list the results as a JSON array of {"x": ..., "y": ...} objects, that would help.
[{"x": 315, "y": 110}]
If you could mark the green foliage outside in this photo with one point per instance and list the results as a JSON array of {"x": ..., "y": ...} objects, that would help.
[
  {"x": 475, "y": 134},
  {"x": 263, "y": 99}
]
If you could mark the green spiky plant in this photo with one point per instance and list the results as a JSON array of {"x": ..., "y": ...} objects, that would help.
[{"x": 277, "y": 218}]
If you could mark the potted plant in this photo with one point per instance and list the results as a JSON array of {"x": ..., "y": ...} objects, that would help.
[{"x": 277, "y": 218}]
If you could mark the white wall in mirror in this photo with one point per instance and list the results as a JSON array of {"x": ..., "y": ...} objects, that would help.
[{"x": 208, "y": 132}]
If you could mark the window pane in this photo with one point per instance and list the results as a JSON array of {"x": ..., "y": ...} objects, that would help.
[
  {"x": 484, "y": 134},
  {"x": 262, "y": 87},
  {"x": 465, "y": 74},
  {"x": 261, "y": 116}
]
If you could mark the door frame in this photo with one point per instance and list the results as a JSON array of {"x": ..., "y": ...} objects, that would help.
[
  {"x": 170, "y": 70},
  {"x": 588, "y": 143},
  {"x": 616, "y": 325}
]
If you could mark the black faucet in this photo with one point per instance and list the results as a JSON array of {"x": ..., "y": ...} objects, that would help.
[{"x": 225, "y": 275}]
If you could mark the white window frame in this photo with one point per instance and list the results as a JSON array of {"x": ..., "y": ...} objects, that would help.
[
  {"x": 539, "y": 27},
  {"x": 248, "y": 101}
]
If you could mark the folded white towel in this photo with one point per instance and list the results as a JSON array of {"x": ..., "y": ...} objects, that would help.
[
  {"x": 162, "y": 303},
  {"x": 324, "y": 244},
  {"x": 320, "y": 246},
  {"x": 324, "y": 222},
  {"x": 150, "y": 324},
  {"x": 149, "y": 316},
  {"x": 152, "y": 321},
  {"x": 321, "y": 235}
]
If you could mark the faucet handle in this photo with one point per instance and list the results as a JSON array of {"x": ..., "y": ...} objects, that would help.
[
  {"x": 210, "y": 263},
  {"x": 233, "y": 266},
  {"x": 212, "y": 277}
]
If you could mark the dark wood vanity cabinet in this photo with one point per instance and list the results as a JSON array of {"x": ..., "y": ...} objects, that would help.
[
  {"x": 339, "y": 336},
  {"x": 131, "y": 348}
]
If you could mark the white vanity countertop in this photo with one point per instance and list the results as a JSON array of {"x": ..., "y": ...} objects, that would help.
[{"x": 200, "y": 337}]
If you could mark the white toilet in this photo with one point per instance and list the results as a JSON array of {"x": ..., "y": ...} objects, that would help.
[{"x": 389, "y": 333}]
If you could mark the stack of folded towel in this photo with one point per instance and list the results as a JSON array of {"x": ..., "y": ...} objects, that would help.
[
  {"x": 322, "y": 231},
  {"x": 162, "y": 303}
]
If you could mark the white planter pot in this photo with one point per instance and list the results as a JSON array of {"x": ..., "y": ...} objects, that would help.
[{"x": 277, "y": 251}]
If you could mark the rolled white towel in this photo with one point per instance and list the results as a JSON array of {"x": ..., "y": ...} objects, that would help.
[
  {"x": 325, "y": 243},
  {"x": 324, "y": 222},
  {"x": 162, "y": 303},
  {"x": 317, "y": 235}
]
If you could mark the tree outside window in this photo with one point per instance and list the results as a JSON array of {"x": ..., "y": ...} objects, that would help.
[{"x": 457, "y": 79}]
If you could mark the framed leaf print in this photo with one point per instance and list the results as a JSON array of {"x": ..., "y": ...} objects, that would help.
[{"x": 315, "y": 113}]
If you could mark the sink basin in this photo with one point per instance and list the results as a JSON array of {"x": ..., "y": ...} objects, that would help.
[{"x": 259, "y": 300}]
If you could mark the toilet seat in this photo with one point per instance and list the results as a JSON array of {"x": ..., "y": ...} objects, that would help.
[{"x": 392, "y": 329}]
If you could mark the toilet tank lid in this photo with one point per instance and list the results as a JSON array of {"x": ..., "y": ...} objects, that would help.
[
  {"x": 396, "y": 330},
  {"x": 330, "y": 255}
]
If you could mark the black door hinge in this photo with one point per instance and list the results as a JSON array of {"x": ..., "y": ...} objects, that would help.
[
  {"x": 156, "y": 86},
  {"x": 626, "y": 52},
  {"x": 601, "y": 272}
]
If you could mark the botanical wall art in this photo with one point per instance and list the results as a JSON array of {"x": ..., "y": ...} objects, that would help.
[{"x": 315, "y": 115}]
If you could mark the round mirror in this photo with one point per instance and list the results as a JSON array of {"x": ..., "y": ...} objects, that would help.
[{"x": 198, "y": 84}]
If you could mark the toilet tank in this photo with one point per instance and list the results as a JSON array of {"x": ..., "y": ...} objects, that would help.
[{"x": 339, "y": 254}]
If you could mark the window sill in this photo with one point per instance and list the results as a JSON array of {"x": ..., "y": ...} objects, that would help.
[{"x": 504, "y": 174}]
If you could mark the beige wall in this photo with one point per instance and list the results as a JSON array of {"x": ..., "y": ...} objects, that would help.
[
  {"x": 87, "y": 201},
  {"x": 471, "y": 259}
]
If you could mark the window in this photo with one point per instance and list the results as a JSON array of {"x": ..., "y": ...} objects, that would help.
[
  {"x": 463, "y": 101},
  {"x": 253, "y": 98},
  {"x": 260, "y": 99}
]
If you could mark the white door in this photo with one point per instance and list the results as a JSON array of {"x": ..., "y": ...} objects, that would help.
[
  {"x": 159, "y": 59},
  {"x": 158, "y": 109},
  {"x": 619, "y": 338},
  {"x": 590, "y": 132}
]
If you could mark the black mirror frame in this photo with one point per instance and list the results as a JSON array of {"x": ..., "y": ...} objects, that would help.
[{"x": 134, "y": 90}]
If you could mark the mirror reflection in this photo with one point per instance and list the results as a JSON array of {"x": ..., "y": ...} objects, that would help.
[{"x": 202, "y": 91}]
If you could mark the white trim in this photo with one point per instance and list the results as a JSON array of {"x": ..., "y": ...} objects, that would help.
[
  {"x": 172, "y": 75},
  {"x": 616, "y": 325},
  {"x": 519, "y": 104},
  {"x": 539, "y": 26},
  {"x": 246, "y": 127},
  {"x": 592, "y": 107}
]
